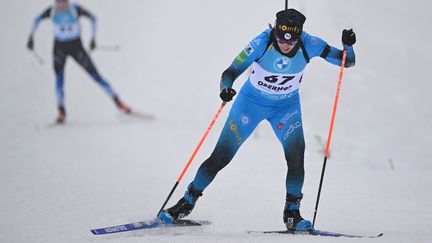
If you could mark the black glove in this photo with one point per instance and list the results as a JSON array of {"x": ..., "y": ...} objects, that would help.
[
  {"x": 227, "y": 94},
  {"x": 92, "y": 44},
  {"x": 30, "y": 43},
  {"x": 348, "y": 37}
]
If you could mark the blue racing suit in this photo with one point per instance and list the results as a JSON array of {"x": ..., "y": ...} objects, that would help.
[
  {"x": 67, "y": 42},
  {"x": 270, "y": 93}
]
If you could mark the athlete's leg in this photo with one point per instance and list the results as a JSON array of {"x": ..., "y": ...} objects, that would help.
[
  {"x": 242, "y": 120},
  {"x": 287, "y": 124},
  {"x": 59, "y": 60},
  {"x": 288, "y": 127},
  {"x": 80, "y": 55}
]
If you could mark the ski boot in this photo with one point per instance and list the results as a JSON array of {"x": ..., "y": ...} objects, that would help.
[
  {"x": 291, "y": 216},
  {"x": 62, "y": 115},
  {"x": 122, "y": 106},
  {"x": 183, "y": 207}
]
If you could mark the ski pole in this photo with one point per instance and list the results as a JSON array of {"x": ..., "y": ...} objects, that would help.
[
  {"x": 192, "y": 156},
  {"x": 286, "y": 4},
  {"x": 330, "y": 132},
  {"x": 38, "y": 57},
  {"x": 108, "y": 47}
]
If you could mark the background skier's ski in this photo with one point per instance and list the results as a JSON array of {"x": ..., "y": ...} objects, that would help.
[{"x": 141, "y": 115}]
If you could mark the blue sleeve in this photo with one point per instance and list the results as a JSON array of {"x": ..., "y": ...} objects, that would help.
[
  {"x": 253, "y": 51},
  {"x": 315, "y": 47},
  {"x": 45, "y": 14},
  {"x": 335, "y": 56}
]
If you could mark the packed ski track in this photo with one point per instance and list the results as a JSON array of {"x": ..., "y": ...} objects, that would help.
[{"x": 104, "y": 168}]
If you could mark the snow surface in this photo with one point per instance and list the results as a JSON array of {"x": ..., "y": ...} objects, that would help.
[{"x": 104, "y": 168}]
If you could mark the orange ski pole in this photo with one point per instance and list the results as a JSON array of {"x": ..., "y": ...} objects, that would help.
[
  {"x": 192, "y": 156},
  {"x": 336, "y": 101}
]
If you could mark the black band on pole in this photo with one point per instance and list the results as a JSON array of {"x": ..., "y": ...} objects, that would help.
[
  {"x": 319, "y": 191},
  {"x": 286, "y": 4},
  {"x": 167, "y": 199}
]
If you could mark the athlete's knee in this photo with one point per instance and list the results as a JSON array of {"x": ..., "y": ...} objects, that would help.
[
  {"x": 220, "y": 158},
  {"x": 294, "y": 156},
  {"x": 97, "y": 77},
  {"x": 58, "y": 68},
  {"x": 90, "y": 68},
  {"x": 296, "y": 164},
  {"x": 217, "y": 161}
]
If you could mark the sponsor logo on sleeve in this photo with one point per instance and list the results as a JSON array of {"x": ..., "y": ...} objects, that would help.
[
  {"x": 240, "y": 59},
  {"x": 249, "y": 50}
]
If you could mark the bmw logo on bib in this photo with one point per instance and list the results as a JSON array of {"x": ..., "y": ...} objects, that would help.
[{"x": 282, "y": 63}]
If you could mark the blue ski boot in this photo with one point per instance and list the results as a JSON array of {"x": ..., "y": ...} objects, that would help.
[
  {"x": 291, "y": 216},
  {"x": 183, "y": 207}
]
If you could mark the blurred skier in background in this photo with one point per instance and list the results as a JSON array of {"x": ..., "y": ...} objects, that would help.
[
  {"x": 67, "y": 42},
  {"x": 278, "y": 57}
]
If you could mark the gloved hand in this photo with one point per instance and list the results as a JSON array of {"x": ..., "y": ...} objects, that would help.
[
  {"x": 348, "y": 37},
  {"x": 30, "y": 43},
  {"x": 227, "y": 94},
  {"x": 92, "y": 44}
]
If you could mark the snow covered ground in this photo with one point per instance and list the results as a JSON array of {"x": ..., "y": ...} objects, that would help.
[{"x": 104, "y": 168}]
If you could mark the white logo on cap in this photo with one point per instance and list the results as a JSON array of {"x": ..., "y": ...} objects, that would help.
[{"x": 287, "y": 36}]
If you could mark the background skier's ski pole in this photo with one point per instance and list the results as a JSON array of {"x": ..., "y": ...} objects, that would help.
[
  {"x": 330, "y": 131},
  {"x": 192, "y": 156},
  {"x": 38, "y": 57},
  {"x": 108, "y": 47}
]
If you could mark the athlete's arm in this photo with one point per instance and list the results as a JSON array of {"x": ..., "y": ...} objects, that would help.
[
  {"x": 247, "y": 56},
  {"x": 335, "y": 56},
  {"x": 45, "y": 14},
  {"x": 315, "y": 47},
  {"x": 84, "y": 12}
]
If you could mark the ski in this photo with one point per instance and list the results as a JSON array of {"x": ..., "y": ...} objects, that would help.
[
  {"x": 149, "y": 224},
  {"x": 141, "y": 115},
  {"x": 315, "y": 232}
]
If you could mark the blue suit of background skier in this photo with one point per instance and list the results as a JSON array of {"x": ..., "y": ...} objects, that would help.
[
  {"x": 278, "y": 58},
  {"x": 67, "y": 42}
]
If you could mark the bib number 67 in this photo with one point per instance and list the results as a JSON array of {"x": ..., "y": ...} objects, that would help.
[{"x": 275, "y": 78}]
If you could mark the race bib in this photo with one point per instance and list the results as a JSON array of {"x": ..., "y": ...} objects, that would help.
[
  {"x": 274, "y": 83},
  {"x": 66, "y": 31}
]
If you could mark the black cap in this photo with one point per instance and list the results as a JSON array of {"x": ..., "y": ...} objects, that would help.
[{"x": 289, "y": 24}]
